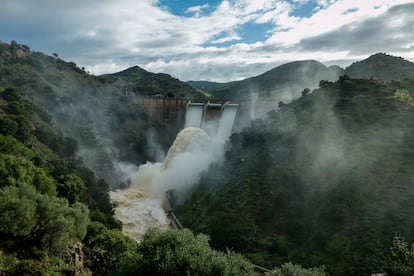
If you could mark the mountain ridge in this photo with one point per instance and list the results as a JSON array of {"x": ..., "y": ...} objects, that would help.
[
  {"x": 379, "y": 66},
  {"x": 147, "y": 84},
  {"x": 284, "y": 82}
]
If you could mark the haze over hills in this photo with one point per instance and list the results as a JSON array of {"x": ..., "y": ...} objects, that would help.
[
  {"x": 287, "y": 81},
  {"x": 284, "y": 82},
  {"x": 55, "y": 214},
  {"x": 100, "y": 112},
  {"x": 323, "y": 180}
]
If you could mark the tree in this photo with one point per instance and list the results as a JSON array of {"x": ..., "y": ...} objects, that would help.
[
  {"x": 7, "y": 126},
  {"x": 180, "y": 252},
  {"x": 400, "y": 261},
  {"x": 71, "y": 146},
  {"x": 108, "y": 250},
  {"x": 46, "y": 221},
  {"x": 305, "y": 92},
  {"x": 18, "y": 171},
  {"x": 344, "y": 78},
  {"x": 324, "y": 84},
  {"x": 290, "y": 269},
  {"x": 71, "y": 187},
  {"x": 17, "y": 211},
  {"x": 11, "y": 94},
  {"x": 60, "y": 224}
]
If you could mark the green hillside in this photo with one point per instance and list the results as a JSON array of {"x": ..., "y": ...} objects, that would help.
[
  {"x": 107, "y": 122},
  {"x": 381, "y": 66},
  {"x": 144, "y": 83},
  {"x": 55, "y": 214},
  {"x": 284, "y": 83},
  {"x": 56, "y": 219},
  {"x": 326, "y": 180}
]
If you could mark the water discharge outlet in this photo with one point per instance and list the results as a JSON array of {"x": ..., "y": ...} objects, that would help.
[{"x": 199, "y": 144}]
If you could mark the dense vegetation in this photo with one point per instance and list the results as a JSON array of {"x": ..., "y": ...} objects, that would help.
[
  {"x": 146, "y": 84},
  {"x": 55, "y": 216},
  {"x": 325, "y": 180},
  {"x": 108, "y": 122},
  {"x": 381, "y": 66},
  {"x": 47, "y": 198}
]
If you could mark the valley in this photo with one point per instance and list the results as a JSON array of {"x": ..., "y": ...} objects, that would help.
[{"x": 304, "y": 167}]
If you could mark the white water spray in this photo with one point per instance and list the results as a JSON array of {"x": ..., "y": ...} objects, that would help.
[
  {"x": 226, "y": 122},
  {"x": 194, "y": 115},
  {"x": 140, "y": 206}
]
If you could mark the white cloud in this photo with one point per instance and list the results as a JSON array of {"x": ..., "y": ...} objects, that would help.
[
  {"x": 197, "y": 10},
  {"x": 107, "y": 36}
]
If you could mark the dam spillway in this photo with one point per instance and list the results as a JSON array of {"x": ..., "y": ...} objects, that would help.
[
  {"x": 199, "y": 144},
  {"x": 216, "y": 119},
  {"x": 177, "y": 114}
]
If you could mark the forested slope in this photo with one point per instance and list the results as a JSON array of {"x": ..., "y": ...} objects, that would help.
[
  {"x": 56, "y": 219},
  {"x": 108, "y": 124},
  {"x": 328, "y": 179},
  {"x": 55, "y": 214}
]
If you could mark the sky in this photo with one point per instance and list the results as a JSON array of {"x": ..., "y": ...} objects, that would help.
[{"x": 209, "y": 40}]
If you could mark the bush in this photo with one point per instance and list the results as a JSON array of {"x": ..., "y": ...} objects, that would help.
[
  {"x": 108, "y": 250},
  {"x": 8, "y": 127},
  {"x": 18, "y": 171},
  {"x": 180, "y": 252},
  {"x": 71, "y": 187},
  {"x": 290, "y": 269},
  {"x": 46, "y": 221},
  {"x": 17, "y": 212},
  {"x": 28, "y": 267},
  {"x": 401, "y": 258}
]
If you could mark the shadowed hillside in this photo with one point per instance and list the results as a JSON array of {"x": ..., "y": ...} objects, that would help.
[
  {"x": 381, "y": 66},
  {"x": 327, "y": 179},
  {"x": 284, "y": 83},
  {"x": 143, "y": 83},
  {"x": 100, "y": 112}
]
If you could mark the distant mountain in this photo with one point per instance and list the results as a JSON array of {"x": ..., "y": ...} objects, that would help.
[
  {"x": 284, "y": 82},
  {"x": 144, "y": 83},
  {"x": 381, "y": 66}
]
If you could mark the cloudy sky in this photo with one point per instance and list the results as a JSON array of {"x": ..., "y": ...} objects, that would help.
[{"x": 209, "y": 40}]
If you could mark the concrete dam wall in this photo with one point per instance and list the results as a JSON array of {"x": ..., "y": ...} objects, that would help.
[
  {"x": 167, "y": 112},
  {"x": 173, "y": 113}
]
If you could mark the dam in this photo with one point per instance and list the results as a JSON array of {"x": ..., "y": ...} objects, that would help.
[
  {"x": 205, "y": 128},
  {"x": 180, "y": 113},
  {"x": 214, "y": 118}
]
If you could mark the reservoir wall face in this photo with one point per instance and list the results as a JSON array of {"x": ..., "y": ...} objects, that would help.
[
  {"x": 174, "y": 113},
  {"x": 169, "y": 113}
]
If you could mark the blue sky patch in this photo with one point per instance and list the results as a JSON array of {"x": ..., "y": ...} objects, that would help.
[
  {"x": 180, "y": 7},
  {"x": 305, "y": 10},
  {"x": 251, "y": 33}
]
